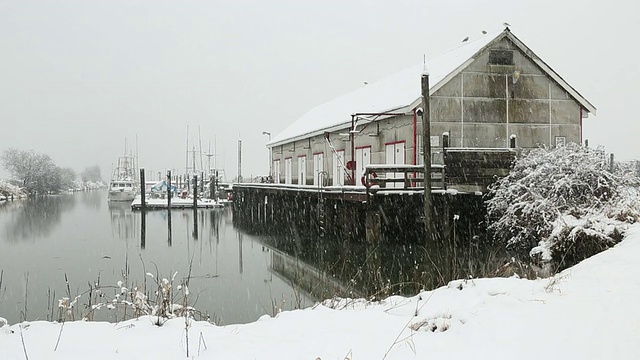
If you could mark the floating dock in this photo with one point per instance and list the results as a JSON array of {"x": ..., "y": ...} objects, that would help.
[{"x": 176, "y": 203}]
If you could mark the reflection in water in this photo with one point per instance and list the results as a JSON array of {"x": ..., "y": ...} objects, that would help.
[
  {"x": 169, "y": 232},
  {"x": 195, "y": 223},
  {"x": 325, "y": 267},
  {"x": 37, "y": 217},
  {"x": 316, "y": 283},
  {"x": 124, "y": 223},
  {"x": 240, "y": 252},
  {"x": 91, "y": 199}
]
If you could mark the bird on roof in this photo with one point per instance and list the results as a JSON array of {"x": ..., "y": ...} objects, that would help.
[
  {"x": 465, "y": 39},
  {"x": 484, "y": 32},
  {"x": 506, "y": 24}
]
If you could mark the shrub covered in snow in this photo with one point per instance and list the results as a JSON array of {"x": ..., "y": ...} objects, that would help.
[
  {"x": 562, "y": 204},
  {"x": 8, "y": 189}
]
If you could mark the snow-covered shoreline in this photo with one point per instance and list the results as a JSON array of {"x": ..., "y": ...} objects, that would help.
[{"x": 587, "y": 311}]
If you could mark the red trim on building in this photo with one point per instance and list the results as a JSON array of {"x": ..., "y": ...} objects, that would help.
[
  {"x": 395, "y": 142},
  {"x": 363, "y": 147},
  {"x": 415, "y": 138}
]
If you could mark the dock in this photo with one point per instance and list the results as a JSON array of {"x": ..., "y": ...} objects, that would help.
[
  {"x": 176, "y": 203},
  {"x": 388, "y": 206}
]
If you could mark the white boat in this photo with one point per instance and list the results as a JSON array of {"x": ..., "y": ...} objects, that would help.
[{"x": 123, "y": 185}]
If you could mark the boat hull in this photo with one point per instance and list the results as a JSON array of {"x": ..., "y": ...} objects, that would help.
[{"x": 121, "y": 195}]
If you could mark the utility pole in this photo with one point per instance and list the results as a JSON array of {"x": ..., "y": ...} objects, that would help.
[
  {"x": 426, "y": 153},
  {"x": 239, "y": 161},
  {"x": 352, "y": 139},
  {"x": 269, "y": 149}
]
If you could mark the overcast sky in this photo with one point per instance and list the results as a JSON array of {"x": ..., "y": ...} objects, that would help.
[{"x": 78, "y": 77}]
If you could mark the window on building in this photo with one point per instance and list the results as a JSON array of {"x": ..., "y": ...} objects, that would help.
[{"x": 501, "y": 57}]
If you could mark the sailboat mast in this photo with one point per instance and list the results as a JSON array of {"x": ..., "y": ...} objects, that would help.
[
  {"x": 186, "y": 160},
  {"x": 194, "y": 160},
  {"x": 200, "y": 149}
]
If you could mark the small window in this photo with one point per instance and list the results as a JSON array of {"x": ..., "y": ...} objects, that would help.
[
  {"x": 500, "y": 57},
  {"x": 560, "y": 141}
]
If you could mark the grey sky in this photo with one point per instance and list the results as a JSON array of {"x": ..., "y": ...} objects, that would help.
[{"x": 78, "y": 77}]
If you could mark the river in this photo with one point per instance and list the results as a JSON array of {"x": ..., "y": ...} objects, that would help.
[{"x": 89, "y": 240}]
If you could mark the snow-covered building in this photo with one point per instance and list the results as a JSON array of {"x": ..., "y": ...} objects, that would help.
[{"x": 482, "y": 93}]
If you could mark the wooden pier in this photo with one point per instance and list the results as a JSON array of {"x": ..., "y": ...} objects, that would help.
[{"x": 389, "y": 207}]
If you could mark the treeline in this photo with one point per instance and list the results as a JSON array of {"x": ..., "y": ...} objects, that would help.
[{"x": 37, "y": 173}]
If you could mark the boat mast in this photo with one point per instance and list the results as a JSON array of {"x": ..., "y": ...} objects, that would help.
[
  {"x": 200, "y": 149},
  {"x": 186, "y": 160}
]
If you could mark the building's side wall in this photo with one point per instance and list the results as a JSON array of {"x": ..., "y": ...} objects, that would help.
[{"x": 483, "y": 106}]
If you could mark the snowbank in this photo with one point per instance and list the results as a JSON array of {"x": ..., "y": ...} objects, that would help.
[{"x": 587, "y": 311}]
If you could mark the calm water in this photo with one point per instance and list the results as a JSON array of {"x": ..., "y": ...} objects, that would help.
[
  {"x": 235, "y": 277},
  {"x": 82, "y": 235}
]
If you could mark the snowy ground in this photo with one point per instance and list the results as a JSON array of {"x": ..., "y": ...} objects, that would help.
[{"x": 589, "y": 311}]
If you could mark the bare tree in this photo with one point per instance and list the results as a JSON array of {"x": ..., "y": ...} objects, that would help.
[{"x": 37, "y": 173}]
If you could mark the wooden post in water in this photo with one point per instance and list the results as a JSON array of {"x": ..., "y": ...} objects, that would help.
[
  {"x": 169, "y": 191},
  {"x": 195, "y": 191},
  {"x": 143, "y": 217},
  {"x": 142, "y": 189},
  {"x": 373, "y": 227},
  {"x": 426, "y": 151},
  {"x": 169, "y": 207},
  {"x": 212, "y": 189},
  {"x": 195, "y": 206},
  {"x": 202, "y": 183}
]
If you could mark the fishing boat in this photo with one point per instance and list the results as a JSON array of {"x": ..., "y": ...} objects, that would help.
[{"x": 123, "y": 185}]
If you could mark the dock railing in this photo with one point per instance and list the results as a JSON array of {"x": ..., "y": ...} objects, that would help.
[{"x": 402, "y": 177}]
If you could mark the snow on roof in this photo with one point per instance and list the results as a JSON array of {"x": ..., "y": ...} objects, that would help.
[
  {"x": 391, "y": 93},
  {"x": 398, "y": 92}
]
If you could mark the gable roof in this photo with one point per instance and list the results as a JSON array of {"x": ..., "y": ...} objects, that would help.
[{"x": 401, "y": 92}]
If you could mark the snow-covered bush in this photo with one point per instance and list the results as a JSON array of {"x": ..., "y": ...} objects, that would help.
[
  {"x": 562, "y": 204},
  {"x": 8, "y": 189}
]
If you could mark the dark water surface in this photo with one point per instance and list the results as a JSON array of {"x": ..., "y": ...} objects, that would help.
[{"x": 87, "y": 238}]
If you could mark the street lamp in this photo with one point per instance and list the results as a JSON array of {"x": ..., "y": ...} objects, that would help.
[{"x": 269, "y": 135}]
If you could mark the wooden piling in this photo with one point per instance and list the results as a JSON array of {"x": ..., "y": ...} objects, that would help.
[
  {"x": 426, "y": 146},
  {"x": 143, "y": 203},
  {"x": 373, "y": 227},
  {"x": 195, "y": 191},
  {"x": 169, "y": 240},
  {"x": 195, "y": 207},
  {"x": 169, "y": 190},
  {"x": 212, "y": 189}
]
